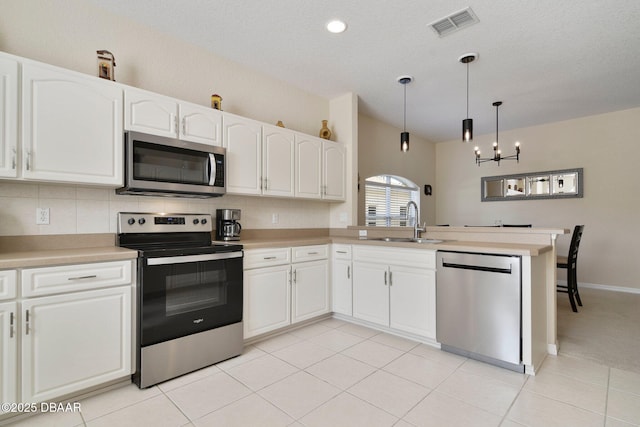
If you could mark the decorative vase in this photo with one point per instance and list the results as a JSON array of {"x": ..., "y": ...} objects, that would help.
[
  {"x": 325, "y": 132},
  {"x": 280, "y": 124},
  {"x": 216, "y": 102}
]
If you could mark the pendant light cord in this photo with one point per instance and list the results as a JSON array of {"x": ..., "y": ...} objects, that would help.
[
  {"x": 467, "y": 90},
  {"x": 404, "y": 123}
]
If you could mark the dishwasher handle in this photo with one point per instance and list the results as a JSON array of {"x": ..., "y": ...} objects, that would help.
[{"x": 476, "y": 267}]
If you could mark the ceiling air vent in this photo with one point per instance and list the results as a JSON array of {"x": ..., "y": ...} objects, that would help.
[{"x": 454, "y": 22}]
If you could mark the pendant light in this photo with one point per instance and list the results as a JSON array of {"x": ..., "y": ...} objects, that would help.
[
  {"x": 404, "y": 136},
  {"x": 497, "y": 154},
  {"x": 467, "y": 124}
]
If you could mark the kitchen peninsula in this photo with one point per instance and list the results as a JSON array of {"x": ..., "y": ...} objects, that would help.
[{"x": 536, "y": 247}]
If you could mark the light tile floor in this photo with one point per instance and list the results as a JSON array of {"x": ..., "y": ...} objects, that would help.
[{"x": 334, "y": 373}]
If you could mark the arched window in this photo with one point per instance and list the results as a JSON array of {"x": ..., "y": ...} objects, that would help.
[{"x": 386, "y": 198}]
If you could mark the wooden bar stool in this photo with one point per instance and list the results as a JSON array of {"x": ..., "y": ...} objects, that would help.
[{"x": 570, "y": 263}]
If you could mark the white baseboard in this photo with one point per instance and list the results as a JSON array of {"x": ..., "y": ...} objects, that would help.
[{"x": 603, "y": 287}]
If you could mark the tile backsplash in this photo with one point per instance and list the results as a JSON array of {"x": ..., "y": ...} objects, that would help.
[{"x": 84, "y": 210}]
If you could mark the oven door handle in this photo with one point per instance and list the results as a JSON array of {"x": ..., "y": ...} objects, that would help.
[{"x": 192, "y": 258}]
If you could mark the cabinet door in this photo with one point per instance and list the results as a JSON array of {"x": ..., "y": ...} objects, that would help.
[
  {"x": 267, "y": 298},
  {"x": 74, "y": 341},
  {"x": 341, "y": 289},
  {"x": 371, "y": 292},
  {"x": 277, "y": 161},
  {"x": 310, "y": 292},
  {"x": 308, "y": 167},
  {"x": 71, "y": 127},
  {"x": 8, "y": 352},
  {"x": 8, "y": 118},
  {"x": 413, "y": 300},
  {"x": 150, "y": 113},
  {"x": 200, "y": 124},
  {"x": 243, "y": 140},
  {"x": 334, "y": 171}
]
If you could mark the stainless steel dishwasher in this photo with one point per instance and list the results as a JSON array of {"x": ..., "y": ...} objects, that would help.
[{"x": 479, "y": 307}]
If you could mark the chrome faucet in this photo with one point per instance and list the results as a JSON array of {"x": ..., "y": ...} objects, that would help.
[{"x": 416, "y": 225}]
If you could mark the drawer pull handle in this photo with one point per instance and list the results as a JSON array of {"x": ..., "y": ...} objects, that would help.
[
  {"x": 269, "y": 257},
  {"x": 341, "y": 252},
  {"x": 92, "y": 276},
  {"x": 27, "y": 323},
  {"x": 312, "y": 253}
]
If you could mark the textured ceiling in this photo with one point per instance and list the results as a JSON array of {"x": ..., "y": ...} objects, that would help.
[{"x": 547, "y": 60}]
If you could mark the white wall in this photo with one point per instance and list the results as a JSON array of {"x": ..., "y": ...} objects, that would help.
[
  {"x": 379, "y": 153},
  {"x": 606, "y": 146},
  {"x": 68, "y": 33}
]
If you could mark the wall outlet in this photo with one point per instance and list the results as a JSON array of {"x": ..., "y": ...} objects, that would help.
[
  {"x": 275, "y": 218},
  {"x": 42, "y": 216},
  {"x": 343, "y": 217},
  {"x": 362, "y": 234},
  {"x": 497, "y": 222}
]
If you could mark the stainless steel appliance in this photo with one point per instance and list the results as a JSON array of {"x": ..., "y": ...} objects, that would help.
[
  {"x": 227, "y": 226},
  {"x": 158, "y": 166},
  {"x": 189, "y": 308},
  {"x": 479, "y": 307}
]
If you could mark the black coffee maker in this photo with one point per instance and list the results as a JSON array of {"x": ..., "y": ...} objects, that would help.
[{"x": 227, "y": 225}]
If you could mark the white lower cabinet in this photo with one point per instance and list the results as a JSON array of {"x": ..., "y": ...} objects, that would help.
[
  {"x": 74, "y": 341},
  {"x": 72, "y": 325},
  {"x": 8, "y": 352},
  {"x": 310, "y": 290},
  {"x": 267, "y": 299},
  {"x": 341, "y": 286},
  {"x": 395, "y": 288},
  {"x": 279, "y": 291}
]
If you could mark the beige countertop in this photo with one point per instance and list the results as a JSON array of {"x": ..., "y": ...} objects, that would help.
[
  {"x": 44, "y": 258},
  {"x": 447, "y": 245}
]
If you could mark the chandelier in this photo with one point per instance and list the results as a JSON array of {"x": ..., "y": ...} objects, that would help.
[{"x": 497, "y": 154}]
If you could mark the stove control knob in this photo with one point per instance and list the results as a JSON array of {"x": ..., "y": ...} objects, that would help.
[
  {"x": 204, "y": 221},
  {"x": 196, "y": 221},
  {"x": 141, "y": 221},
  {"x": 131, "y": 221}
]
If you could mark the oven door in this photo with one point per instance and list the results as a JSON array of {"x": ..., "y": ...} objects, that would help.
[{"x": 185, "y": 294}]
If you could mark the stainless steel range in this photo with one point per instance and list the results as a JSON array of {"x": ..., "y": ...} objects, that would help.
[{"x": 189, "y": 294}]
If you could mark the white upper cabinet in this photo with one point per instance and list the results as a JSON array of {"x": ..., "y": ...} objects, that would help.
[
  {"x": 308, "y": 181},
  {"x": 200, "y": 124},
  {"x": 8, "y": 117},
  {"x": 320, "y": 168},
  {"x": 243, "y": 140},
  {"x": 161, "y": 115},
  {"x": 277, "y": 161},
  {"x": 334, "y": 186},
  {"x": 71, "y": 127},
  {"x": 150, "y": 113}
]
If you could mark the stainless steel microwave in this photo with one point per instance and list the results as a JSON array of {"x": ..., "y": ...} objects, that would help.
[{"x": 159, "y": 166}]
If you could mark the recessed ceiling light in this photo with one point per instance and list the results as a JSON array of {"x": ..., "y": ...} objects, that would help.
[{"x": 336, "y": 26}]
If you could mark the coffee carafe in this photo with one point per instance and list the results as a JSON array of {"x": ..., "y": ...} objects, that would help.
[{"x": 227, "y": 225}]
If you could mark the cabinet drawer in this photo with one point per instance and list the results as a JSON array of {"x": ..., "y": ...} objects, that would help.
[
  {"x": 255, "y": 258},
  {"x": 341, "y": 251},
  {"x": 77, "y": 277},
  {"x": 419, "y": 258},
  {"x": 8, "y": 284},
  {"x": 309, "y": 253}
]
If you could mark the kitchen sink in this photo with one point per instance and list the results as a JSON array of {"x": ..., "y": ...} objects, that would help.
[{"x": 408, "y": 240}]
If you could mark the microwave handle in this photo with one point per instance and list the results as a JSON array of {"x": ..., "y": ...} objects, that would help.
[{"x": 212, "y": 169}]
